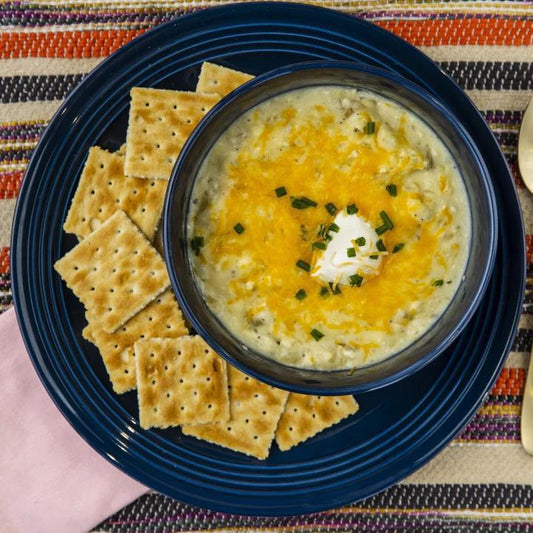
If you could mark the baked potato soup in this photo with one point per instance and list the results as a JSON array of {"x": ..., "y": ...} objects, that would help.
[{"x": 329, "y": 228}]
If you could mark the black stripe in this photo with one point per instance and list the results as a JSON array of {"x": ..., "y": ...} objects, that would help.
[
  {"x": 523, "y": 340},
  {"x": 13, "y": 13},
  {"x": 34, "y": 88},
  {"x": 21, "y": 132},
  {"x": 490, "y": 75},
  {"x": 15, "y": 155},
  {"x": 470, "y": 75},
  {"x": 157, "y": 509}
]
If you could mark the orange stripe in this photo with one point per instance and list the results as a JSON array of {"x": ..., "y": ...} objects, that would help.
[
  {"x": 491, "y": 31},
  {"x": 511, "y": 381},
  {"x": 529, "y": 248},
  {"x": 64, "y": 44},
  {"x": 10, "y": 184},
  {"x": 4, "y": 259},
  {"x": 101, "y": 43}
]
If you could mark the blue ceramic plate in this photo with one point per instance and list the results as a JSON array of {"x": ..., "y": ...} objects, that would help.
[{"x": 398, "y": 428}]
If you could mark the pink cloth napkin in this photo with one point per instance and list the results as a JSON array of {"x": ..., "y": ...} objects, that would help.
[{"x": 51, "y": 480}]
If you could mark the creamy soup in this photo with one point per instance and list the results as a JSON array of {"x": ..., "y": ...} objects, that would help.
[{"x": 329, "y": 228}]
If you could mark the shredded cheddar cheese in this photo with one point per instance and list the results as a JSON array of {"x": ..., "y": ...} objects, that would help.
[{"x": 324, "y": 154}]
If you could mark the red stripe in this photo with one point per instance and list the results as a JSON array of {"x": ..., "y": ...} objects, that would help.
[
  {"x": 483, "y": 31},
  {"x": 529, "y": 248},
  {"x": 510, "y": 382},
  {"x": 10, "y": 184},
  {"x": 101, "y": 43},
  {"x": 64, "y": 44},
  {"x": 4, "y": 260}
]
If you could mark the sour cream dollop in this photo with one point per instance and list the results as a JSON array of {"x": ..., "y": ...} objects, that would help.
[{"x": 334, "y": 265}]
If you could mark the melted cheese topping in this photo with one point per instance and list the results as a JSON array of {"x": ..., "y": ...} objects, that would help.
[{"x": 315, "y": 143}]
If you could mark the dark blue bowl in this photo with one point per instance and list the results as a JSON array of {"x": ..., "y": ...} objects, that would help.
[{"x": 483, "y": 223}]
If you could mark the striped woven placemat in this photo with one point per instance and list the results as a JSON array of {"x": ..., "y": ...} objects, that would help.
[{"x": 483, "y": 481}]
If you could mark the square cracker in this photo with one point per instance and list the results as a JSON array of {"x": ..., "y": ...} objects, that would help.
[
  {"x": 221, "y": 80},
  {"x": 305, "y": 416},
  {"x": 161, "y": 318},
  {"x": 160, "y": 121},
  {"x": 103, "y": 190},
  {"x": 255, "y": 411},
  {"x": 180, "y": 381},
  {"x": 115, "y": 272}
]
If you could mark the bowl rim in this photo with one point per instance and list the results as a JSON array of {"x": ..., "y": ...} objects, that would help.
[{"x": 453, "y": 333}]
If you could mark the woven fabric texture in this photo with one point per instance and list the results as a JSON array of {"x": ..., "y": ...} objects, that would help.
[{"x": 483, "y": 481}]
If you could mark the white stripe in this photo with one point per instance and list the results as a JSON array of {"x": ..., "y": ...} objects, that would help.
[
  {"x": 483, "y": 463},
  {"x": 517, "y": 360},
  {"x": 479, "y": 53},
  {"x": 501, "y": 100},
  {"x": 7, "y": 208},
  {"x": 32, "y": 66},
  {"x": 28, "y": 111}
]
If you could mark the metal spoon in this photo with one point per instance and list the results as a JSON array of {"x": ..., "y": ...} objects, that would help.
[{"x": 525, "y": 163}]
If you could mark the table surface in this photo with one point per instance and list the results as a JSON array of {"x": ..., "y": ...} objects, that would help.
[{"x": 483, "y": 481}]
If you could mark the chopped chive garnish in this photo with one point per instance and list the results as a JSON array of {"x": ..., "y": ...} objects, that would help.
[
  {"x": 328, "y": 237},
  {"x": 330, "y": 208},
  {"x": 316, "y": 334},
  {"x": 370, "y": 128},
  {"x": 438, "y": 283},
  {"x": 387, "y": 223},
  {"x": 334, "y": 227},
  {"x": 303, "y": 265},
  {"x": 239, "y": 228},
  {"x": 302, "y": 202},
  {"x": 280, "y": 191},
  {"x": 196, "y": 244},
  {"x": 397, "y": 247},
  {"x": 350, "y": 252},
  {"x": 360, "y": 241},
  {"x": 334, "y": 289},
  {"x": 380, "y": 245},
  {"x": 324, "y": 291},
  {"x": 300, "y": 295},
  {"x": 392, "y": 189},
  {"x": 321, "y": 230},
  {"x": 352, "y": 209},
  {"x": 356, "y": 280},
  {"x": 319, "y": 245},
  {"x": 373, "y": 256}
]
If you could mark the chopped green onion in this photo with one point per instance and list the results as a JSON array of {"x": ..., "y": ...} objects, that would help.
[
  {"x": 316, "y": 334},
  {"x": 196, "y": 244},
  {"x": 350, "y": 252},
  {"x": 397, "y": 247},
  {"x": 373, "y": 256},
  {"x": 319, "y": 245},
  {"x": 302, "y": 202},
  {"x": 438, "y": 283},
  {"x": 300, "y": 295},
  {"x": 370, "y": 128},
  {"x": 392, "y": 189},
  {"x": 324, "y": 291},
  {"x": 334, "y": 289},
  {"x": 280, "y": 191},
  {"x": 387, "y": 223},
  {"x": 303, "y": 265},
  {"x": 360, "y": 241},
  {"x": 328, "y": 237},
  {"x": 380, "y": 245},
  {"x": 239, "y": 228},
  {"x": 334, "y": 227},
  {"x": 330, "y": 208},
  {"x": 356, "y": 280},
  {"x": 352, "y": 209}
]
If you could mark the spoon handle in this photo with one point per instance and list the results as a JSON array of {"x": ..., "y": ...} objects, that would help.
[{"x": 526, "y": 422}]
